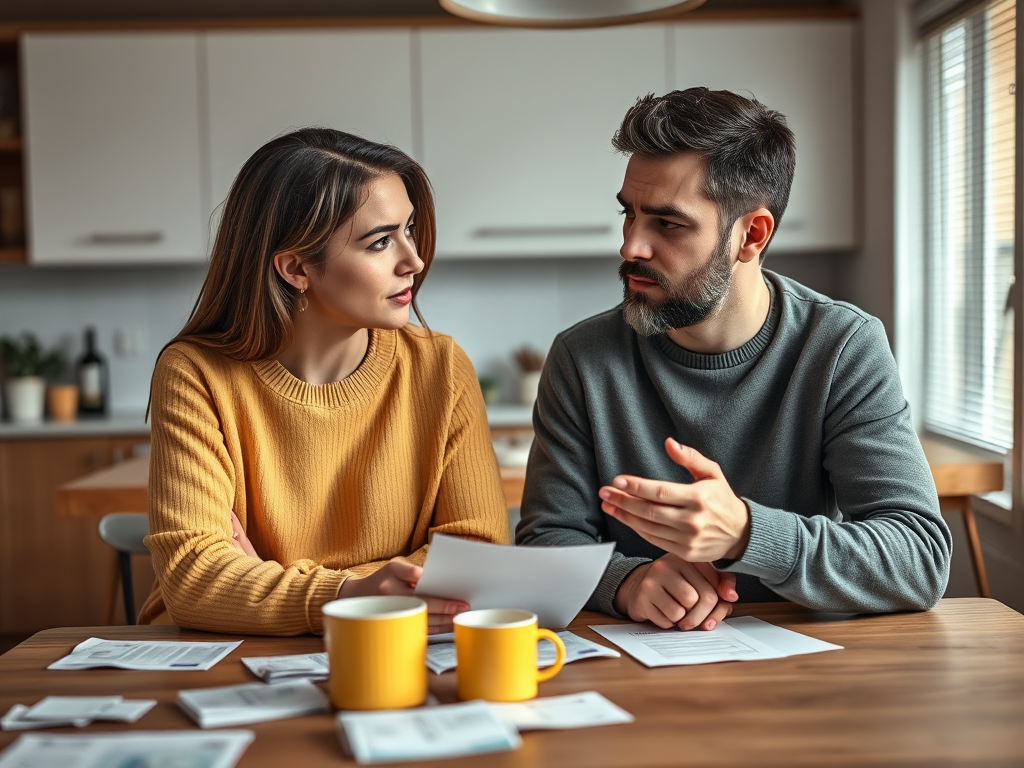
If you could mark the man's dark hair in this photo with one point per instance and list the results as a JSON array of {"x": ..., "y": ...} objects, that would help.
[{"x": 749, "y": 150}]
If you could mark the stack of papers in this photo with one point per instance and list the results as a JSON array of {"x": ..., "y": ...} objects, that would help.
[
  {"x": 144, "y": 654},
  {"x": 252, "y": 703},
  {"x": 454, "y": 730},
  {"x": 298, "y": 666},
  {"x": 136, "y": 748},
  {"x": 79, "y": 711},
  {"x": 740, "y": 639},
  {"x": 441, "y": 656}
]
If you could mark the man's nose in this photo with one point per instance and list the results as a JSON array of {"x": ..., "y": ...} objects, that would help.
[{"x": 635, "y": 247}]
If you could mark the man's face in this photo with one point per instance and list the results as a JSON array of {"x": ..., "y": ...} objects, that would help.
[{"x": 677, "y": 267}]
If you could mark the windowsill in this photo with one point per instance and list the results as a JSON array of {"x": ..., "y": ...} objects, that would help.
[{"x": 997, "y": 506}]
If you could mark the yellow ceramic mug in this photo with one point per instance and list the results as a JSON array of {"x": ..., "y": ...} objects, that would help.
[
  {"x": 377, "y": 651},
  {"x": 497, "y": 655}
]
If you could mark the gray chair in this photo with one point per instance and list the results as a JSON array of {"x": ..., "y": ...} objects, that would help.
[{"x": 124, "y": 531}]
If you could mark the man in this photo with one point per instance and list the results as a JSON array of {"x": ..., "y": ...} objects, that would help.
[{"x": 738, "y": 435}]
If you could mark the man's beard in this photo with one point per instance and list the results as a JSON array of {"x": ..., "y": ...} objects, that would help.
[{"x": 688, "y": 303}]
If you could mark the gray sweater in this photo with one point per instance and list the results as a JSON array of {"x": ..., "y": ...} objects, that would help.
[{"x": 808, "y": 422}]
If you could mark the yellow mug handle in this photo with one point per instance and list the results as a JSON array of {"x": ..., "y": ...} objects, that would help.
[{"x": 554, "y": 669}]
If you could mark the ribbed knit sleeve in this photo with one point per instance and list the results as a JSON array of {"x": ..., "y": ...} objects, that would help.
[{"x": 205, "y": 582}]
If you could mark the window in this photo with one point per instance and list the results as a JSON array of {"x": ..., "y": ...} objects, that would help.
[{"x": 969, "y": 226}]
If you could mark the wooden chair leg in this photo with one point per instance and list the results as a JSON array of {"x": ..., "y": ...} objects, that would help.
[
  {"x": 113, "y": 592},
  {"x": 976, "y": 557},
  {"x": 127, "y": 588}
]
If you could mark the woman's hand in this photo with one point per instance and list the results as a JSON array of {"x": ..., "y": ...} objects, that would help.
[
  {"x": 399, "y": 578},
  {"x": 240, "y": 540}
]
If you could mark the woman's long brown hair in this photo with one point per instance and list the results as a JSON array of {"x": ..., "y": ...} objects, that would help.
[{"x": 292, "y": 195}]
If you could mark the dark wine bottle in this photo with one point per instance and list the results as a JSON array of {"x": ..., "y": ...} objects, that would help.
[{"x": 93, "y": 380}]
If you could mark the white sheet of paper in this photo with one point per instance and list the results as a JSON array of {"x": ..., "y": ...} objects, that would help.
[
  {"x": 88, "y": 708},
  {"x": 296, "y": 666},
  {"x": 784, "y": 641},
  {"x": 252, "y": 703},
  {"x": 576, "y": 710},
  {"x": 451, "y": 730},
  {"x": 656, "y": 647},
  {"x": 178, "y": 748},
  {"x": 552, "y": 582},
  {"x": 159, "y": 655},
  {"x": 441, "y": 657}
]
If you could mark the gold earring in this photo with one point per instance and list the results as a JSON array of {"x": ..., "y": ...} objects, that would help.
[{"x": 303, "y": 301}]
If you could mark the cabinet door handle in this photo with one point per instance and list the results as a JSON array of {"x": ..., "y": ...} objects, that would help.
[
  {"x": 567, "y": 230},
  {"x": 125, "y": 238}
]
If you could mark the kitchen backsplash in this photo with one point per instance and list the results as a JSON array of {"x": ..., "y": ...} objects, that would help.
[{"x": 491, "y": 307}]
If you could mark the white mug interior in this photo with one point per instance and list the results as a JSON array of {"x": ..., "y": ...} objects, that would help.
[
  {"x": 496, "y": 618},
  {"x": 374, "y": 607}
]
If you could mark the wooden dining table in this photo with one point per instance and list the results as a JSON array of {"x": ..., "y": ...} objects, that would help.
[
  {"x": 940, "y": 688},
  {"x": 958, "y": 475}
]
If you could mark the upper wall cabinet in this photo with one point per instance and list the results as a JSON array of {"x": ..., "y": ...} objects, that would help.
[
  {"x": 262, "y": 84},
  {"x": 517, "y": 129},
  {"x": 113, "y": 138},
  {"x": 803, "y": 69}
]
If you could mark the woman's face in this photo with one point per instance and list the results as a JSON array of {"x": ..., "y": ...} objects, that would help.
[{"x": 370, "y": 263}]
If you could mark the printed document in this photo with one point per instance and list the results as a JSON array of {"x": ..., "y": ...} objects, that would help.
[
  {"x": 452, "y": 730},
  {"x": 252, "y": 703},
  {"x": 133, "y": 748},
  {"x": 552, "y": 582},
  {"x": 296, "y": 666},
  {"x": 577, "y": 710},
  {"x": 656, "y": 647},
  {"x": 154, "y": 655},
  {"x": 79, "y": 711},
  {"x": 441, "y": 656}
]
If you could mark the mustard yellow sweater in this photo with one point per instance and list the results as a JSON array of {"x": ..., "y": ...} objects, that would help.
[{"x": 328, "y": 481}]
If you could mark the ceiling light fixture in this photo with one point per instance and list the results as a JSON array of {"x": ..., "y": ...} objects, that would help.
[{"x": 566, "y": 13}]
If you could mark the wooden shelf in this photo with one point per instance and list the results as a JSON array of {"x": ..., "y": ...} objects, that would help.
[
  {"x": 11, "y": 144},
  {"x": 13, "y": 255}
]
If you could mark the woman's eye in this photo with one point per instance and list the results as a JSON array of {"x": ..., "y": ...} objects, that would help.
[
  {"x": 380, "y": 245},
  {"x": 411, "y": 229}
]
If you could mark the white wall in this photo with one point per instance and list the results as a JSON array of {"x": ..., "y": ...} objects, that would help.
[{"x": 490, "y": 307}]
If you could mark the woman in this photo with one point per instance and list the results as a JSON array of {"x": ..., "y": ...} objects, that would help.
[{"x": 298, "y": 403}]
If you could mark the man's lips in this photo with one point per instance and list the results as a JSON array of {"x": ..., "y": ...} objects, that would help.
[{"x": 641, "y": 283}]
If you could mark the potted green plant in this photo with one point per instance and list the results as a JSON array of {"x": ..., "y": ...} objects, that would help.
[{"x": 26, "y": 367}]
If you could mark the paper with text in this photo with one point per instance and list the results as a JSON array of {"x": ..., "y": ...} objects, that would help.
[
  {"x": 152, "y": 655},
  {"x": 441, "y": 656},
  {"x": 135, "y": 748},
  {"x": 576, "y": 710}
]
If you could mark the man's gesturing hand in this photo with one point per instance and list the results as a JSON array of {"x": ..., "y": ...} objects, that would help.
[
  {"x": 672, "y": 592},
  {"x": 699, "y": 521}
]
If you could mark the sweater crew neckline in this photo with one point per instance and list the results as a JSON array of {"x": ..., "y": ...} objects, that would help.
[
  {"x": 359, "y": 386},
  {"x": 733, "y": 357}
]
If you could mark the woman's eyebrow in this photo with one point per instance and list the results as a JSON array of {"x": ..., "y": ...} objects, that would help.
[{"x": 377, "y": 230}]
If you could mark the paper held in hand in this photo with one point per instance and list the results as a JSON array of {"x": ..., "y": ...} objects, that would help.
[
  {"x": 552, "y": 582},
  {"x": 741, "y": 639},
  {"x": 152, "y": 655}
]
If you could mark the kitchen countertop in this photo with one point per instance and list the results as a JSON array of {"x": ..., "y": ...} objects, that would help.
[{"x": 133, "y": 423}]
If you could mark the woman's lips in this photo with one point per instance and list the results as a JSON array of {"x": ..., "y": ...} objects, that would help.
[{"x": 402, "y": 297}]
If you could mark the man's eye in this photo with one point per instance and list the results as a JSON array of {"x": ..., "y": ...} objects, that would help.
[
  {"x": 668, "y": 224},
  {"x": 380, "y": 245}
]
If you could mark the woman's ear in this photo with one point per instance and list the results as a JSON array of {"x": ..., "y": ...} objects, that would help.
[
  {"x": 291, "y": 268},
  {"x": 757, "y": 227}
]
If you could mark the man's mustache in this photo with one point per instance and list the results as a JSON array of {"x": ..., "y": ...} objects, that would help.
[{"x": 643, "y": 271}]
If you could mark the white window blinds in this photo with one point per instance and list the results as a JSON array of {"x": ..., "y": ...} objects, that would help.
[{"x": 969, "y": 226}]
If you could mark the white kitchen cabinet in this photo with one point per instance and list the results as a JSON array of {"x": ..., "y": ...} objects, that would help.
[
  {"x": 113, "y": 148},
  {"x": 517, "y": 128},
  {"x": 804, "y": 69},
  {"x": 262, "y": 84}
]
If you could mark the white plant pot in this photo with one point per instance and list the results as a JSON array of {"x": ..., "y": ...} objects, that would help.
[
  {"x": 25, "y": 397},
  {"x": 528, "y": 383}
]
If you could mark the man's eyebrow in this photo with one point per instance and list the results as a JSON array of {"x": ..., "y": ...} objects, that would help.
[
  {"x": 385, "y": 227},
  {"x": 665, "y": 211}
]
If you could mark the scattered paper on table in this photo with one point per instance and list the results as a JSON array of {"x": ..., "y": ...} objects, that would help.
[
  {"x": 252, "y": 703},
  {"x": 451, "y": 730},
  {"x": 577, "y": 710},
  {"x": 298, "y": 666},
  {"x": 656, "y": 647},
  {"x": 552, "y": 582},
  {"x": 153, "y": 655},
  {"x": 131, "y": 748},
  {"x": 441, "y": 656},
  {"x": 14, "y": 720}
]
